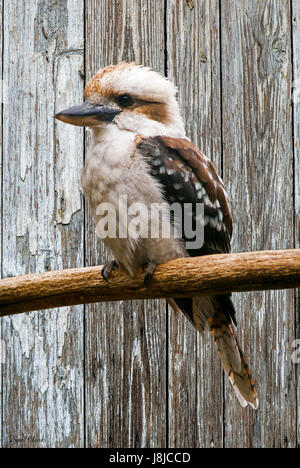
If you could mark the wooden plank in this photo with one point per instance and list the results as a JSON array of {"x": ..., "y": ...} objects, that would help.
[
  {"x": 296, "y": 101},
  {"x": 125, "y": 343},
  {"x": 258, "y": 167},
  {"x": 43, "y": 220},
  {"x": 195, "y": 378},
  {"x": 2, "y": 350}
]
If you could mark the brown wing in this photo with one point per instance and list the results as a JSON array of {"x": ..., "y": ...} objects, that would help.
[{"x": 188, "y": 177}]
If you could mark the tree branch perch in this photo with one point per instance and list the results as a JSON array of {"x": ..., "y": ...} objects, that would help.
[{"x": 188, "y": 277}]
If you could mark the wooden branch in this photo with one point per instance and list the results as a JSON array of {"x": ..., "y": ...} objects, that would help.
[{"x": 216, "y": 274}]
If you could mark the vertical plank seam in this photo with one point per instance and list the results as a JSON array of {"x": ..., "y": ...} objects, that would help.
[
  {"x": 166, "y": 38},
  {"x": 2, "y": 134},
  {"x": 222, "y": 171},
  {"x": 84, "y": 245},
  {"x": 166, "y": 70},
  {"x": 294, "y": 195},
  {"x": 2, "y": 179}
]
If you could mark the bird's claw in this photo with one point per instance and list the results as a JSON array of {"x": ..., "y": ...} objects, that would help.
[
  {"x": 149, "y": 269},
  {"x": 108, "y": 269}
]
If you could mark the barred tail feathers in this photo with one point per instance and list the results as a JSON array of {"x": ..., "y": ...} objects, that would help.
[
  {"x": 218, "y": 314},
  {"x": 233, "y": 360}
]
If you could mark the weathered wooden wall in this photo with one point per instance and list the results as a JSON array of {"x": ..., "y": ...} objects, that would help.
[{"x": 133, "y": 374}]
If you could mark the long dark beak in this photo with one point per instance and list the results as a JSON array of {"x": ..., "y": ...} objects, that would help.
[{"x": 88, "y": 114}]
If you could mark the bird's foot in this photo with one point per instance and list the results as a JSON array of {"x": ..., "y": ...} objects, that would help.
[
  {"x": 149, "y": 269},
  {"x": 108, "y": 269}
]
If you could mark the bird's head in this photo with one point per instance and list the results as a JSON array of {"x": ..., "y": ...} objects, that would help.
[{"x": 133, "y": 97}]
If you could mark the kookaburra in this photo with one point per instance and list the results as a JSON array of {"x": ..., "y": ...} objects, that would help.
[{"x": 139, "y": 149}]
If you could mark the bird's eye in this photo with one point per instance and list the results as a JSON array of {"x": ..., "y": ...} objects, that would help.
[{"x": 125, "y": 100}]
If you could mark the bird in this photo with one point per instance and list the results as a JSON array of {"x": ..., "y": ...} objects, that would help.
[{"x": 139, "y": 152}]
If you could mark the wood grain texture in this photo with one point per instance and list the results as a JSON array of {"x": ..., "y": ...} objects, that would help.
[
  {"x": 42, "y": 220},
  {"x": 2, "y": 350},
  {"x": 195, "y": 376},
  {"x": 125, "y": 343},
  {"x": 258, "y": 170},
  {"x": 296, "y": 102},
  {"x": 149, "y": 381}
]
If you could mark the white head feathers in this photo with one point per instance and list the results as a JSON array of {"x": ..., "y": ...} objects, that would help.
[{"x": 154, "y": 109}]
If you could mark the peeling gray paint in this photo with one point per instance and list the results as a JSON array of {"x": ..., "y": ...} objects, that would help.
[{"x": 41, "y": 409}]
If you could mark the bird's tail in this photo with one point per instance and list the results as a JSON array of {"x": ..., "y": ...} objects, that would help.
[
  {"x": 218, "y": 313},
  {"x": 233, "y": 360}
]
